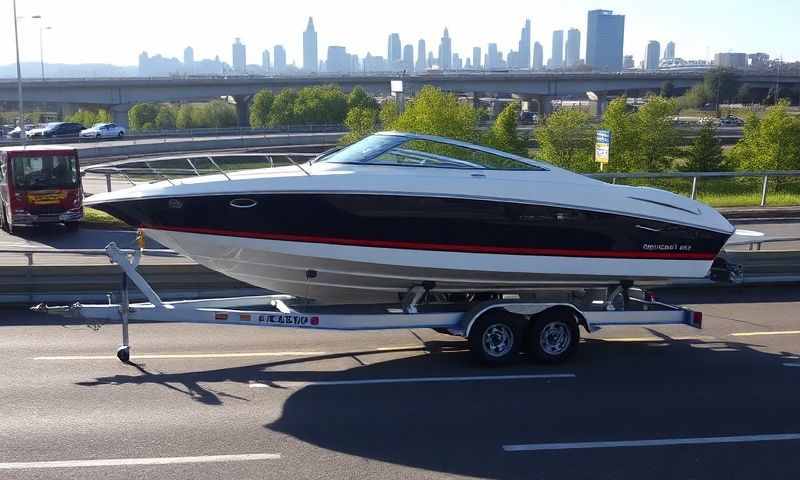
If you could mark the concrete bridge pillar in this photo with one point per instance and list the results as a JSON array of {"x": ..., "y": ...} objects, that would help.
[
  {"x": 243, "y": 109},
  {"x": 119, "y": 114},
  {"x": 601, "y": 105}
]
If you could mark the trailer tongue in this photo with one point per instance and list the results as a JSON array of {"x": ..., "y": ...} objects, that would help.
[{"x": 497, "y": 329}]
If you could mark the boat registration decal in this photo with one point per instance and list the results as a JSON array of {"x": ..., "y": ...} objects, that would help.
[{"x": 289, "y": 320}]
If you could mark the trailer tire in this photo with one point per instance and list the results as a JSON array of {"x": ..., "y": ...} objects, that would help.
[
  {"x": 553, "y": 336},
  {"x": 495, "y": 337}
]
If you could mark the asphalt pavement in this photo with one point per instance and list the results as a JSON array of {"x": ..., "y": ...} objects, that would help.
[{"x": 210, "y": 402}]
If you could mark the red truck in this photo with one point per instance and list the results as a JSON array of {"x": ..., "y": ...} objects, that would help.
[{"x": 40, "y": 184}]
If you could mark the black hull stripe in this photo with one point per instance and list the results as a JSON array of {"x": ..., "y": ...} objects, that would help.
[{"x": 546, "y": 252}]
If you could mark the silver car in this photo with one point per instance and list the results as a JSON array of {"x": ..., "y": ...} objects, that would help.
[{"x": 103, "y": 130}]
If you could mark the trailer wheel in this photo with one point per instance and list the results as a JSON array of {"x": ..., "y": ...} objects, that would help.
[
  {"x": 495, "y": 338},
  {"x": 124, "y": 354},
  {"x": 553, "y": 336}
]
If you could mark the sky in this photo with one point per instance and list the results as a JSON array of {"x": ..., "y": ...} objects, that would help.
[{"x": 103, "y": 31}]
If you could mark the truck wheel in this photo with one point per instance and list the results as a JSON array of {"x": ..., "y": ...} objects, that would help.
[
  {"x": 495, "y": 338},
  {"x": 553, "y": 336}
]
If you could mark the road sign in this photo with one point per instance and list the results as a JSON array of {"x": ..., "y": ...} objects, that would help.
[{"x": 602, "y": 146}]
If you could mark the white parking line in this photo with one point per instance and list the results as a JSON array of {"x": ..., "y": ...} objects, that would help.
[
  {"x": 375, "y": 381},
  {"x": 186, "y": 355},
  {"x": 117, "y": 462},
  {"x": 757, "y": 334},
  {"x": 536, "y": 447}
]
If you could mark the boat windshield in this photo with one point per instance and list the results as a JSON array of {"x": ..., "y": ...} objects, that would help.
[{"x": 409, "y": 152}]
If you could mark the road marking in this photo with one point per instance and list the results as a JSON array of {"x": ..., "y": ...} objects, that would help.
[
  {"x": 655, "y": 339},
  {"x": 186, "y": 355},
  {"x": 757, "y": 334},
  {"x": 536, "y": 447},
  {"x": 117, "y": 462},
  {"x": 376, "y": 381}
]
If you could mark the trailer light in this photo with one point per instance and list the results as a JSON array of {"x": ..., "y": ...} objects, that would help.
[
  {"x": 697, "y": 319},
  {"x": 245, "y": 317},
  {"x": 220, "y": 316}
]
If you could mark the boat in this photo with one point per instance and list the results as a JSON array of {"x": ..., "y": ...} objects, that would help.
[{"x": 368, "y": 222}]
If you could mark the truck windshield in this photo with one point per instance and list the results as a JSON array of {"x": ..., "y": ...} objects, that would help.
[{"x": 40, "y": 173}]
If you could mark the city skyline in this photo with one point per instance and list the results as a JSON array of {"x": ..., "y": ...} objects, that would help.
[{"x": 498, "y": 25}]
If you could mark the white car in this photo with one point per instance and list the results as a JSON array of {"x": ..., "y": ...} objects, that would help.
[{"x": 103, "y": 130}]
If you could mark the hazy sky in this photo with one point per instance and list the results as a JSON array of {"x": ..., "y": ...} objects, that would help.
[{"x": 110, "y": 31}]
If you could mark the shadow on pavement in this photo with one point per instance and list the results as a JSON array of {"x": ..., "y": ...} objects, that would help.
[{"x": 622, "y": 391}]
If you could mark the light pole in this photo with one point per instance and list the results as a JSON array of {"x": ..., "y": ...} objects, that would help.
[
  {"x": 21, "y": 116},
  {"x": 41, "y": 40}
]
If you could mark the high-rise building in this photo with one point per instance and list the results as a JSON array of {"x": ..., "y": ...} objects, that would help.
[
  {"x": 605, "y": 34},
  {"x": 446, "y": 51},
  {"x": 759, "y": 60},
  {"x": 573, "y": 51},
  {"x": 457, "y": 63},
  {"x": 652, "y": 56},
  {"x": 431, "y": 60},
  {"x": 538, "y": 56},
  {"x": 266, "y": 61},
  {"x": 188, "y": 58},
  {"x": 669, "y": 51},
  {"x": 280, "y": 58},
  {"x": 731, "y": 60},
  {"x": 310, "y": 55},
  {"x": 523, "y": 56},
  {"x": 421, "y": 54},
  {"x": 557, "y": 57},
  {"x": 628, "y": 63},
  {"x": 476, "y": 58},
  {"x": 338, "y": 61},
  {"x": 239, "y": 57},
  {"x": 492, "y": 57},
  {"x": 394, "y": 52},
  {"x": 408, "y": 58}
]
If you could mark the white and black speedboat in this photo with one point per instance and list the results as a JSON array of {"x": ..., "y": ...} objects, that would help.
[{"x": 366, "y": 223}]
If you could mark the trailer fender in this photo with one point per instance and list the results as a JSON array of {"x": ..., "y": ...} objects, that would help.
[{"x": 525, "y": 309}]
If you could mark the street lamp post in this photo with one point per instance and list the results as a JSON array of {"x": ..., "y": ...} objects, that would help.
[
  {"x": 21, "y": 119},
  {"x": 42, "y": 28}
]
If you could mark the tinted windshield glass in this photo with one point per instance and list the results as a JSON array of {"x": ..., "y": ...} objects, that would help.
[
  {"x": 38, "y": 173},
  {"x": 364, "y": 150}
]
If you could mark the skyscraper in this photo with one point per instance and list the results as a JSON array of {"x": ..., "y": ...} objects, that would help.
[
  {"x": 652, "y": 56},
  {"x": 446, "y": 51},
  {"x": 239, "y": 57},
  {"x": 476, "y": 58},
  {"x": 538, "y": 56},
  {"x": 408, "y": 58},
  {"x": 669, "y": 52},
  {"x": 421, "y": 54},
  {"x": 310, "y": 56},
  {"x": 266, "y": 62},
  {"x": 605, "y": 34},
  {"x": 188, "y": 58},
  {"x": 557, "y": 57},
  {"x": 573, "y": 54},
  {"x": 524, "y": 53},
  {"x": 280, "y": 59},
  {"x": 338, "y": 61},
  {"x": 628, "y": 63},
  {"x": 394, "y": 50},
  {"x": 492, "y": 57}
]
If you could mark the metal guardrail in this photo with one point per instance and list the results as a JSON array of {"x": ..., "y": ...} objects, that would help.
[
  {"x": 192, "y": 134},
  {"x": 30, "y": 252},
  {"x": 765, "y": 175}
]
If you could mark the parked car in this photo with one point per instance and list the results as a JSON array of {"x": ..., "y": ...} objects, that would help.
[
  {"x": 103, "y": 130},
  {"x": 56, "y": 129},
  {"x": 17, "y": 132},
  {"x": 731, "y": 121}
]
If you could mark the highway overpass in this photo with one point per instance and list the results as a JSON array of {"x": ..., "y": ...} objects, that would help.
[{"x": 119, "y": 94}]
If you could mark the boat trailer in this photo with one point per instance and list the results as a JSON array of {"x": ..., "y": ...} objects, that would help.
[{"x": 497, "y": 329}]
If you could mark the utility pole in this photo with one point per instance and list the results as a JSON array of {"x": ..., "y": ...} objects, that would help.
[{"x": 21, "y": 115}]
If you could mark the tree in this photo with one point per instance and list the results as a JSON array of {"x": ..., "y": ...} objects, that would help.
[
  {"x": 259, "y": 111},
  {"x": 503, "y": 135},
  {"x": 361, "y": 122},
  {"x": 183, "y": 119},
  {"x": 624, "y": 136},
  {"x": 389, "y": 114},
  {"x": 360, "y": 98},
  {"x": 705, "y": 154},
  {"x": 696, "y": 97},
  {"x": 667, "y": 89},
  {"x": 567, "y": 139},
  {"x": 434, "y": 112},
  {"x": 325, "y": 104},
  {"x": 770, "y": 143},
  {"x": 282, "y": 112},
  {"x": 721, "y": 85},
  {"x": 221, "y": 114},
  {"x": 165, "y": 120},
  {"x": 142, "y": 116},
  {"x": 658, "y": 137}
]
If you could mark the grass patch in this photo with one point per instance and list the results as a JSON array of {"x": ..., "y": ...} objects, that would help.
[{"x": 97, "y": 219}]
